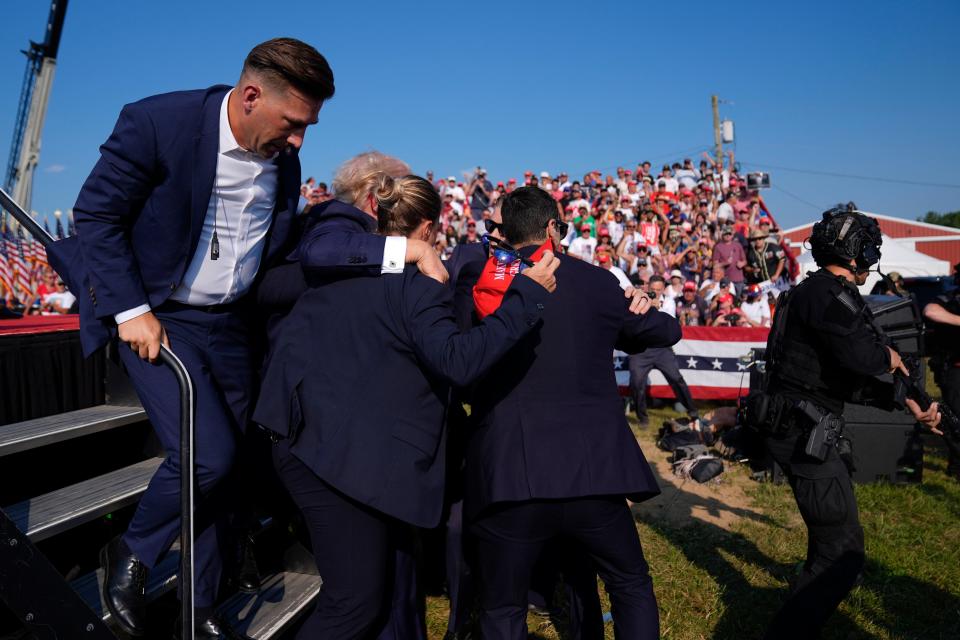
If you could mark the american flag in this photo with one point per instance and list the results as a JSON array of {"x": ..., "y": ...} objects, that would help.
[
  {"x": 26, "y": 246},
  {"x": 711, "y": 360},
  {"x": 21, "y": 269},
  {"x": 38, "y": 253},
  {"x": 6, "y": 272}
]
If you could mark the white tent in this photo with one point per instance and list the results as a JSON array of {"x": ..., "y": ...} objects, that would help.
[{"x": 893, "y": 257}]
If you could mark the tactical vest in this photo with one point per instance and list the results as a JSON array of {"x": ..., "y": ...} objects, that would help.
[{"x": 795, "y": 360}]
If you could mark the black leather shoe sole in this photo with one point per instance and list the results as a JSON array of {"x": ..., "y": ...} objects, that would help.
[{"x": 104, "y": 595}]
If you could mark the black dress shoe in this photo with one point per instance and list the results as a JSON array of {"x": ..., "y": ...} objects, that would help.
[
  {"x": 124, "y": 579},
  {"x": 211, "y": 629},
  {"x": 248, "y": 574}
]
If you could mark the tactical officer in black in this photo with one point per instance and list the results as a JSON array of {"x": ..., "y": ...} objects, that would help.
[
  {"x": 820, "y": 351},
  {"x": 944, "y": 314}
]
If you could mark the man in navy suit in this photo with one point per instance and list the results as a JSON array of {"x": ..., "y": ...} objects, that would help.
[
  {"x": 552, "y": 454},
  {"x": 194, "y": 193},
  {"x": 363, "y": 447}
]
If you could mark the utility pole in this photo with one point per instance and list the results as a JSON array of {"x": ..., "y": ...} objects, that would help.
[{"x": 717, "y": 140}]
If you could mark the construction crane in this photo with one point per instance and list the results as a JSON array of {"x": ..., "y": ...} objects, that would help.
[{"x": 34, "y": 96}]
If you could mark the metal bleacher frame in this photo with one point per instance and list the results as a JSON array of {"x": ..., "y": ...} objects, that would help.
[{"x": 52, "y": 608}]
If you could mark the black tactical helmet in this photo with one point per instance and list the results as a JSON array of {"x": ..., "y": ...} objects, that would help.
[{"x": 846, "y": 234}]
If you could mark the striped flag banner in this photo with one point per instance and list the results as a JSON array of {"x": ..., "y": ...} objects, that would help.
[
  {"x": 710, "y": 360},
  {"x": 21, "y": 271},
  {"x": 39, "y": 252},
  {"x": 6, "y": 271}
]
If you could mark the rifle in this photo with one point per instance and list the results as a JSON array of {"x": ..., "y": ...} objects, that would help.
[{"x": 904, "y": 387}]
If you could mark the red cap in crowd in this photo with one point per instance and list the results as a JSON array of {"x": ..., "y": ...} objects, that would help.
[
  {"x": 585, "y": 227},
  {"x": 603, "y": 231},
  {"x": 690, "y": 285},
  {"x": 726, "y": 297}
]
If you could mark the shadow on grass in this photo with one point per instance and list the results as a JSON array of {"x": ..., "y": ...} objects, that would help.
[{"x": 888, "y": 605}]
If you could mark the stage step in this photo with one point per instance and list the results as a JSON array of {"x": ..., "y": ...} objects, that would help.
[
  {"x": 30, "y": 434},
  {"x": 162, "y": 579},
  {"x": 282, "y": 599},
  {"x": 52, "y": 513}
]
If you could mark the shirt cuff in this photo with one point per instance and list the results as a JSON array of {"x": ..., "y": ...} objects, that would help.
[
  {"x": 130, "y": 314},
  {"x": 394, "y": 254}
]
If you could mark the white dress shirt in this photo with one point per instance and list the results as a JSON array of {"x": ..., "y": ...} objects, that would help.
[{"x": 240, "y": 209}]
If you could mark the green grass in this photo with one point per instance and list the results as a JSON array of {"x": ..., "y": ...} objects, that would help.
[{"x": 716, "y": 582}]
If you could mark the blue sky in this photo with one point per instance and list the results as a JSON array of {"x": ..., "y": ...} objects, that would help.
[{"x": 862, "y": 88}]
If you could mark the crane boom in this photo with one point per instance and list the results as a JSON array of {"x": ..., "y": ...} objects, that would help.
[{"x": 32, "y": 109}]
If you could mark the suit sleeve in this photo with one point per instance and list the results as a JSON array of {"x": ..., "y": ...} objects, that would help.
[
  {"x": 461, "y": 358},
  {"x": 338, "y": 243},
  {"x": 106, "y": 207},
  {"x": 280, "y": 288},
  {"x": 653, "y": 329}
]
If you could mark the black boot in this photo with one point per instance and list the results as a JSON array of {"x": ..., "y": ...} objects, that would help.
[
  {"x": 124, "y": 580},
  {"x": 243, "y": 573},
  {"x": 248, "y": 574}
]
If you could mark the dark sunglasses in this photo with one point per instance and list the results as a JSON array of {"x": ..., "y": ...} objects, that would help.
[
  {"x": 562, "y": 227},
  {"x": 504, "y": 253}
]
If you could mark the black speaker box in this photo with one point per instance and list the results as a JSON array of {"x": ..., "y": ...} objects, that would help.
[
  {"x": 900, "y": 320},
  {"x": 884, "y": 452}
]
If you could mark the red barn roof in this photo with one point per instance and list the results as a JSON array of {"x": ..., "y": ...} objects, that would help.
[{"x": 933, "y": 240}]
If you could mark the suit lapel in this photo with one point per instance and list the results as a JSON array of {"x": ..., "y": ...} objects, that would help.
[
  {"x": 205, "y": 148},
  {"x": 288, "y": 197}
]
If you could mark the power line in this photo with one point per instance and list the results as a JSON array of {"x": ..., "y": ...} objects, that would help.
[
  {"x": 798, "y": 198},
  {"x": 916, "y": 183}
]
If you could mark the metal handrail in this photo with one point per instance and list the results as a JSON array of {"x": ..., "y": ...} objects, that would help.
[{"x": 187, "y": 441}]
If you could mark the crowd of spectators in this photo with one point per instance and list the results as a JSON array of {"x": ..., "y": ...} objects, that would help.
[
  {"x": 51, "y": 297},
  {"x": 695, "y": 235},
  {"x": 693, "y": 232}
]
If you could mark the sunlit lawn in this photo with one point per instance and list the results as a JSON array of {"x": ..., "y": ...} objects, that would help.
[{"x": 727, "y": 580}]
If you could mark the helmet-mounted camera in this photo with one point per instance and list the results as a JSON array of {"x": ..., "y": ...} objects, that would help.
[{"x": 844, "y": 234}]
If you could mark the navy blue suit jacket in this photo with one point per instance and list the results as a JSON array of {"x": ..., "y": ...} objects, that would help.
[
  {"x": 359, "y": 377},
  {"x": 550, "y": 423},
  {"x": 141, "y": 210}
]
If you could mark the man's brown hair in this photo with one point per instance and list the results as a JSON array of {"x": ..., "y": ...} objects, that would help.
[{"x": 293, "y": 62}]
